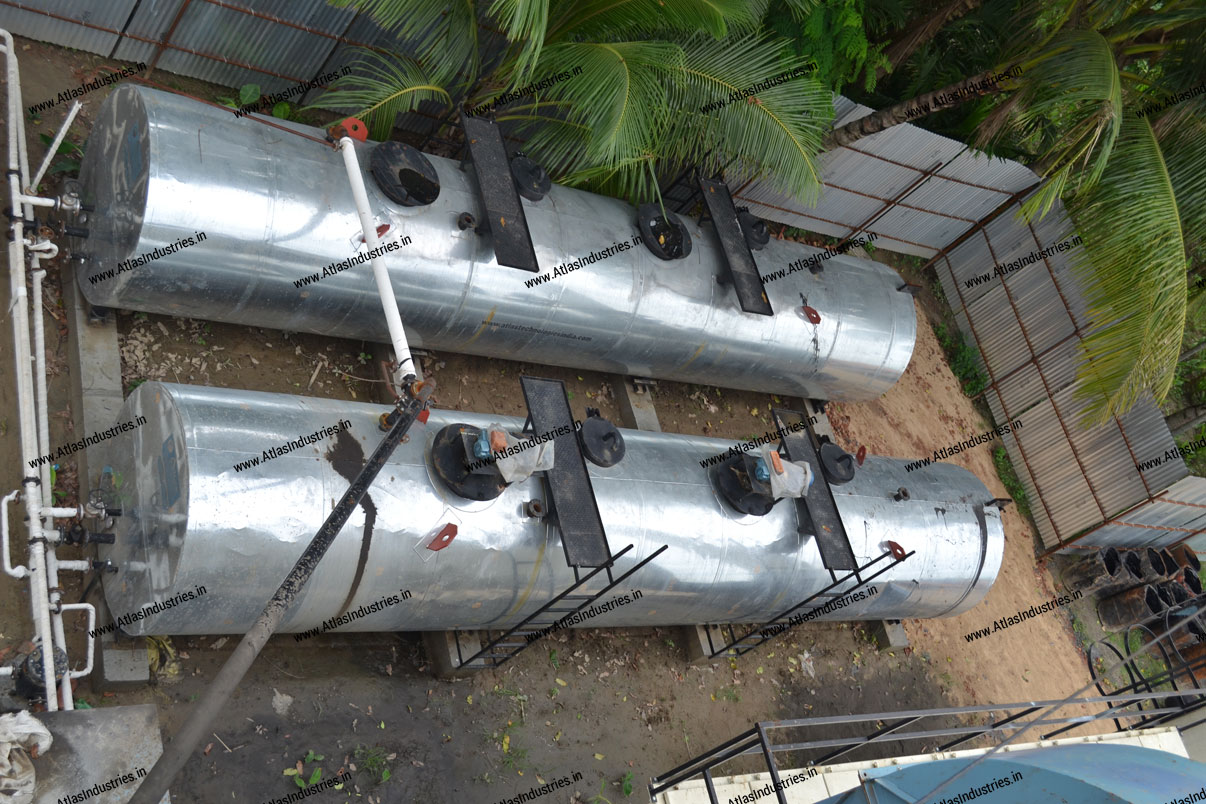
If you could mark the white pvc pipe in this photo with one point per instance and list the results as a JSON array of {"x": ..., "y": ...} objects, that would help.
[
  {"x": 18, "y": 571},
  {"x": 32, "y": 187},
  {"x": 91, "y": 639},
  {"x": 57, "y": 607},
  {"x": 40, "y": 377},
  {"x": 389, "y": 303},
  {"x": 18, "y": 169},
  {"x": 35, "y": 201}
]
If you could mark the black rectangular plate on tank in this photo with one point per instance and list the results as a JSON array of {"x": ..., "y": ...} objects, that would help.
[{"x": 507, "y": 223}]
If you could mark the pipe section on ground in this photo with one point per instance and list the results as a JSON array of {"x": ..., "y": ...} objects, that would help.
[
  {"x": 276, "y": 211},
  {"x": 193, "y": 520}
]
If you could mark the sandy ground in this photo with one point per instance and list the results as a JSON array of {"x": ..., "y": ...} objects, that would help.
[
  {"x": 603, "y": 704},
  {"x": 1035, "y": 660}
]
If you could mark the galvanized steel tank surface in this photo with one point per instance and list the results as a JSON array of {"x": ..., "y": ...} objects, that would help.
[
  {"x": 191, "y": 519},
  {"x": 277, "y": 208}
]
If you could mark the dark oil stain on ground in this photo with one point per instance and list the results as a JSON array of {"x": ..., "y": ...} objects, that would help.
[{"x": 347, "y": 457}]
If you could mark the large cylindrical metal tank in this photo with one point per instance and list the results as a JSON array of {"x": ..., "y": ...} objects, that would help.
[
  {"x": 191, "y": 519},
  {"x": 276, "y": 208}
]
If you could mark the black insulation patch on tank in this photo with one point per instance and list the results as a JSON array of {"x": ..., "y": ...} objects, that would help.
[{"x": 347, "y": 458}]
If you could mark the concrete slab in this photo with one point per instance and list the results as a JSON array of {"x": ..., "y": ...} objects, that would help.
[
  {"x": 96, "y": 747},
  {"x": 889, "y": 634},
  {"x": 441, "y": 651},
  {"x": 695, "y": 637},
  {"x": 636, "y": 405},
  {"x": 94, "y": 359}
]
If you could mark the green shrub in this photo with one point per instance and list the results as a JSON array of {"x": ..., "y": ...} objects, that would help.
[
  {"x": 1013, "y": 484},
  {"x": 963, "y": 360}
]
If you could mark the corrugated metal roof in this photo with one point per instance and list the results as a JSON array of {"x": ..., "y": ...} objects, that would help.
[
  {"x": 1177, "y": 514},
  {"x": 110, "y": 14},
  {"x": 227, "y": 33}
]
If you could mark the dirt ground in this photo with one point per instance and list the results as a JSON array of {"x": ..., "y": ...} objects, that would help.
[{"x": 610, "y": 705}]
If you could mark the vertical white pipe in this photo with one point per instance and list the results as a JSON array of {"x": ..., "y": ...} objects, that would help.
[
  {"x": 18, "y": 169},
  {"x": 55, "y": 603},
  {"x": 389, "y": 303}
]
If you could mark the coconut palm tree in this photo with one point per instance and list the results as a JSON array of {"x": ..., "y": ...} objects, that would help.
[
  {"x": 647, "y": 93},
  {"x": 1089, "y": 94}
]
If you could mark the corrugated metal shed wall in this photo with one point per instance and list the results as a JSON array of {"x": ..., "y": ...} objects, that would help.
[{"x": 917, "y": 191}]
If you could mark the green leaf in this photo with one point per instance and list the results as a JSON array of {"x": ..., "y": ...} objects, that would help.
[
  {"x": 1074, "y": 80},
  {"x": 1139, "y": 315},
  {"x": 442, "y": 36},
  {"x": 383, "y": 87},
  {"x": 524, "y": 22},
  {"x": 599, "y": 19},
  {"x": 299, "y": 781},
  {"x": 65, "y": 166},
  {"x": 315, "y": 776},
  {"x": 282, "y": 110},
  {"x": 385, "y": 774},
  {"x": 249, "y": 94}
]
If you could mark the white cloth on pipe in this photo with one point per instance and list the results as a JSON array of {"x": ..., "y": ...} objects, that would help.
[
  {"x": 795, "y": 479},
  {"x": 521, "y": 465}
]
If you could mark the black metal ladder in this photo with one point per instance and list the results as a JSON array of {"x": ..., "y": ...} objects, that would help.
[
  {"x": 508, "y": 644},
  {"x": 789, "y": 618}
]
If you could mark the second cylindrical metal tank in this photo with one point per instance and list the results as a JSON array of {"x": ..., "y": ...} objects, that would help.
[
  {"x": 276, "y": 209},
  {"x": 196, "y": 514}
]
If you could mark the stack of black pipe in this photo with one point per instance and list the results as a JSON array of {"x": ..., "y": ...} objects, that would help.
[{"x": 1134, "y": 586}]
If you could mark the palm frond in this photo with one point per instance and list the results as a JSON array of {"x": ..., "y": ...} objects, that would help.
[
  {"x": 1167, "y": 19},
  {"x": 1074, "y": 79},
  {"x": 1184, "y": 150},
  {"x": 620, "y": 95},
  {"x": 775, "y": 133},
  {"x": 380, "y": 88},
  {"x": 443, "y": 37},
  {"x": 525, "y": 23},
  {"x": 1133, "y": 270},
  {"x": 616, "y": 19}
]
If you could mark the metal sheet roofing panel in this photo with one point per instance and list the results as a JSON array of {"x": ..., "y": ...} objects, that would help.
[
  {"x": 110, "y": 14},
  {"x": 287, "y": 54},
  {"x": 1177, "y": 514}
]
